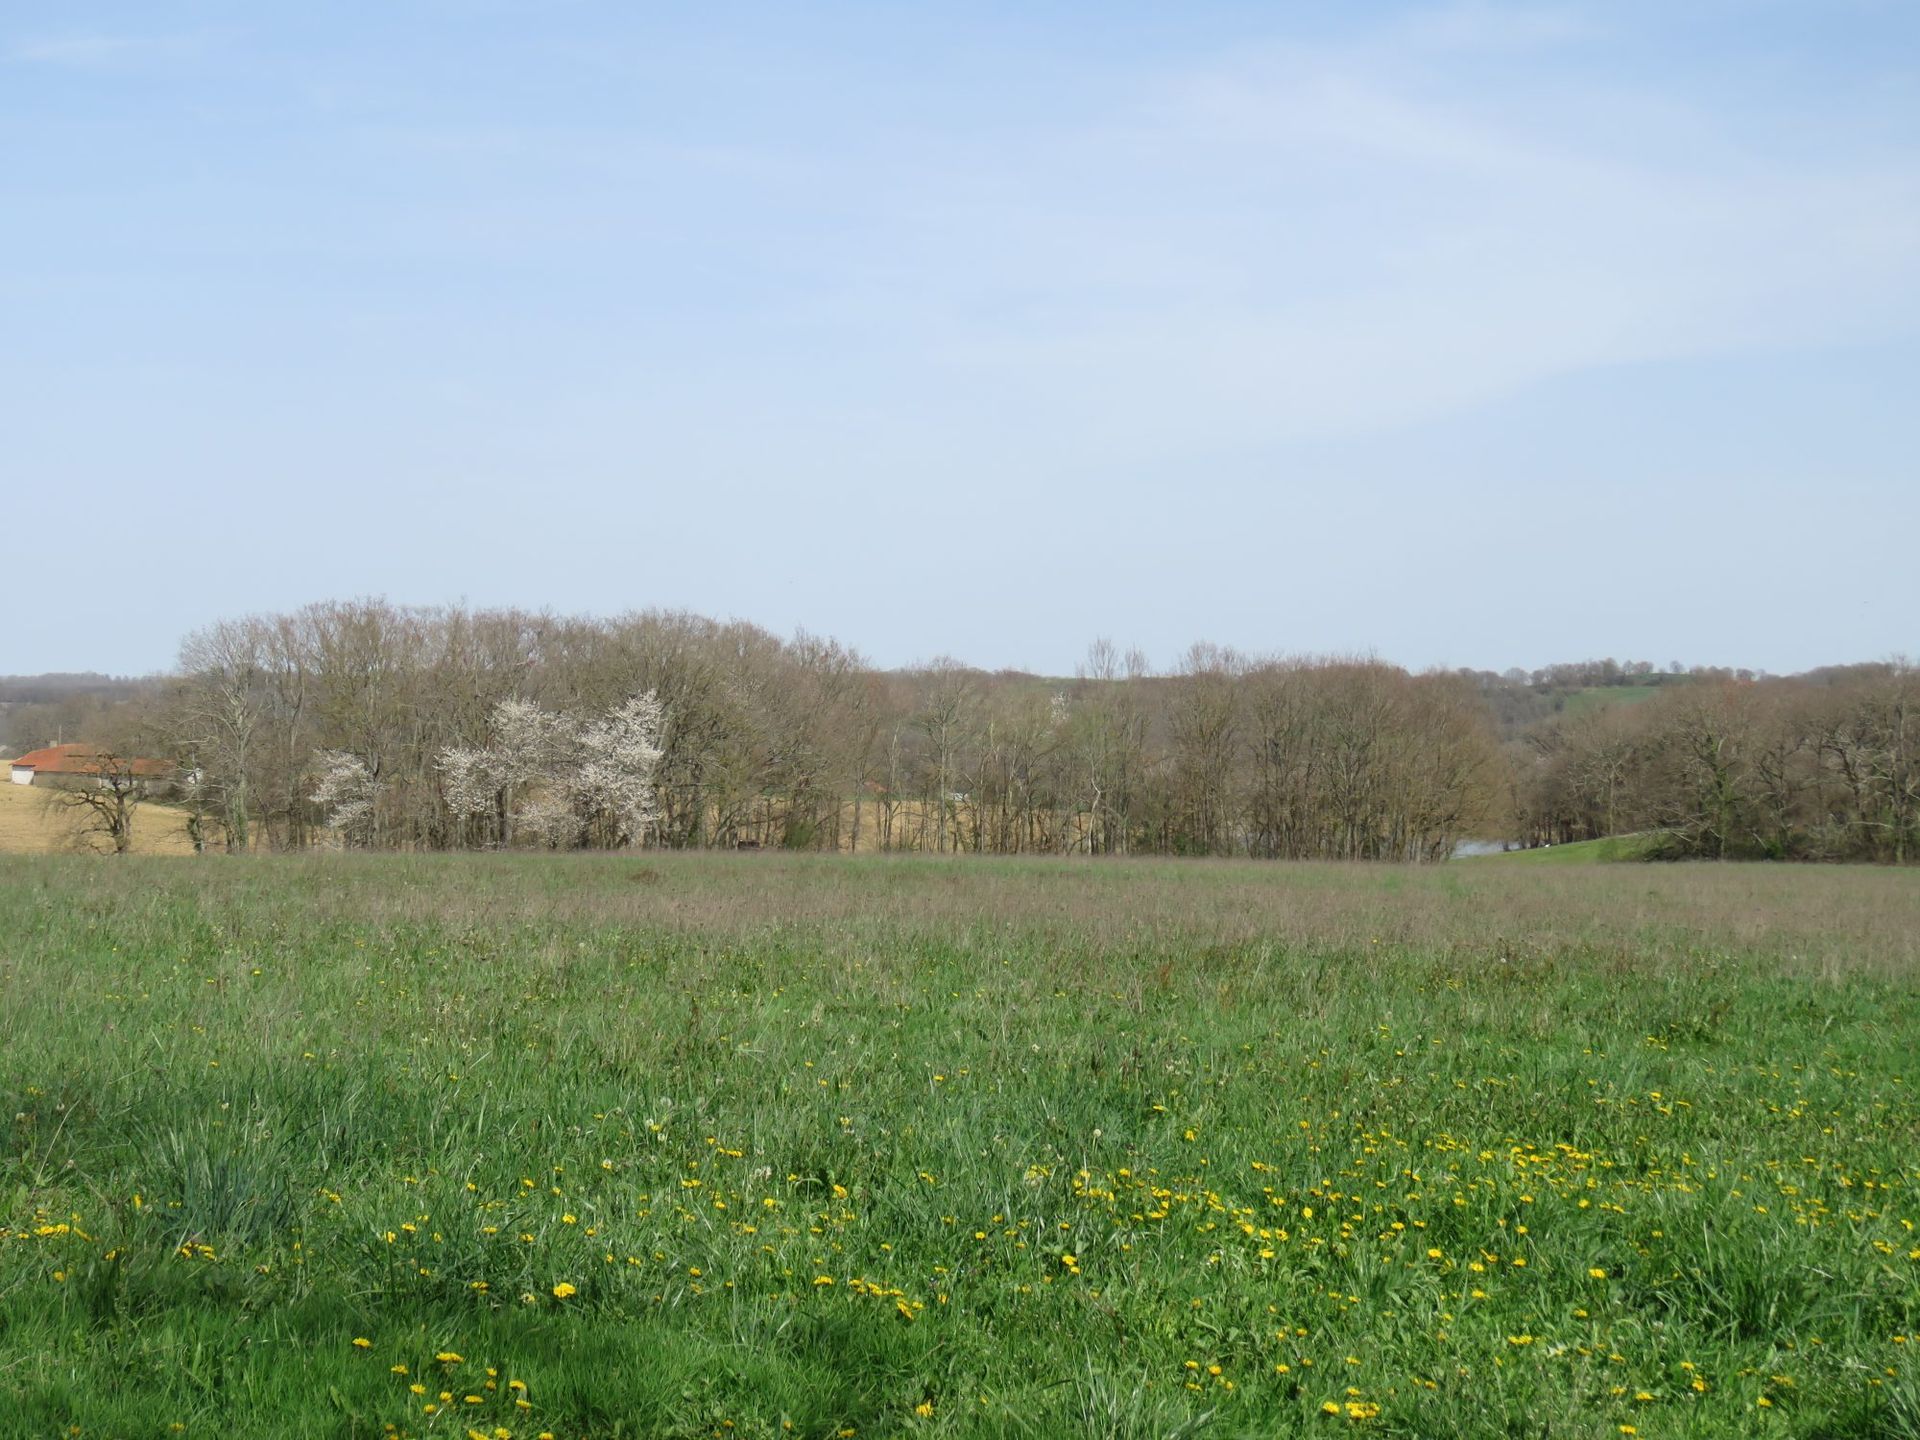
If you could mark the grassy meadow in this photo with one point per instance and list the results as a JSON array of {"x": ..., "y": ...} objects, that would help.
[
  {"x": 30, "y": 826},
  {"x": 756, "y": 1145}
]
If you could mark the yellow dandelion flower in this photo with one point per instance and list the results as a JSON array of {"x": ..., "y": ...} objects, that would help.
[{"x": 563, "y": 1290}]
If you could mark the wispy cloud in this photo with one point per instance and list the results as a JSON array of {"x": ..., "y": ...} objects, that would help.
[
  {"x": 1291, "y": 242},
  {"x": 1329, "y": 240}
]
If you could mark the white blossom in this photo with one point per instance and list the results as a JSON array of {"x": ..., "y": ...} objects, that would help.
[
  {"x": 347, "y": 792},
  {"x": 467, "y": 779},
  {"x": 530, "y": 744},
  {"x": 549, "y": 818},
  {"x": 556, "y": 781},
  {"x": 619, "y": 755}
]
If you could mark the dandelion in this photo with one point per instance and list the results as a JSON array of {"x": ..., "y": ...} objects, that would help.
[
  {"x": 564, "y": 1290},
  {"x": 360, "y": 1342}
]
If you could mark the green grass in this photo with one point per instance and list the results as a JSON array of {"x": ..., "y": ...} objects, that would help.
[{"x": 758, "y": 1146}]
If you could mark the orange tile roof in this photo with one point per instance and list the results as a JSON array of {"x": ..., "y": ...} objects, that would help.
[{"x": 84, "y": 760}]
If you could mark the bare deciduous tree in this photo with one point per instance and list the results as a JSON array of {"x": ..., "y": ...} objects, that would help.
[{"x": 103, "y": 801}]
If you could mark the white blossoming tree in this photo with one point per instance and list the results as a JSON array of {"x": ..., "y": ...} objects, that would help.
[
  {"x": 544, "y": 777},
  {"x": 348, "y": 791},
  {"x": 614, "y": 787},
  {"x": 511, "y": 777}
]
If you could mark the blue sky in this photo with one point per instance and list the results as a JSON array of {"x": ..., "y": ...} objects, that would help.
[{"x": 1461, "y": 334}]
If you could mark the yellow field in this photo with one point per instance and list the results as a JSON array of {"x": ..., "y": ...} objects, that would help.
[{"x": 29, "y": 827}]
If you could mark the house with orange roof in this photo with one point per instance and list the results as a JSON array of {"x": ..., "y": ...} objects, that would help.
[{"x": 79, "y": 764}]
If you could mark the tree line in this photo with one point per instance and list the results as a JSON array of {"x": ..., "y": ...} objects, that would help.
[
  {"x": 384, "y": 726},
  {"x": 1824, "y": 766},
  {"x": 455, "y": 728}
]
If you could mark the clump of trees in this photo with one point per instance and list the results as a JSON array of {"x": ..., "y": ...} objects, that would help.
[
  {"x": 391, "y": 727},
  {"x": 38, "y": 710},
  {"x": 1824, "y": 766},
  {"x": 382, "y": 726}
]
